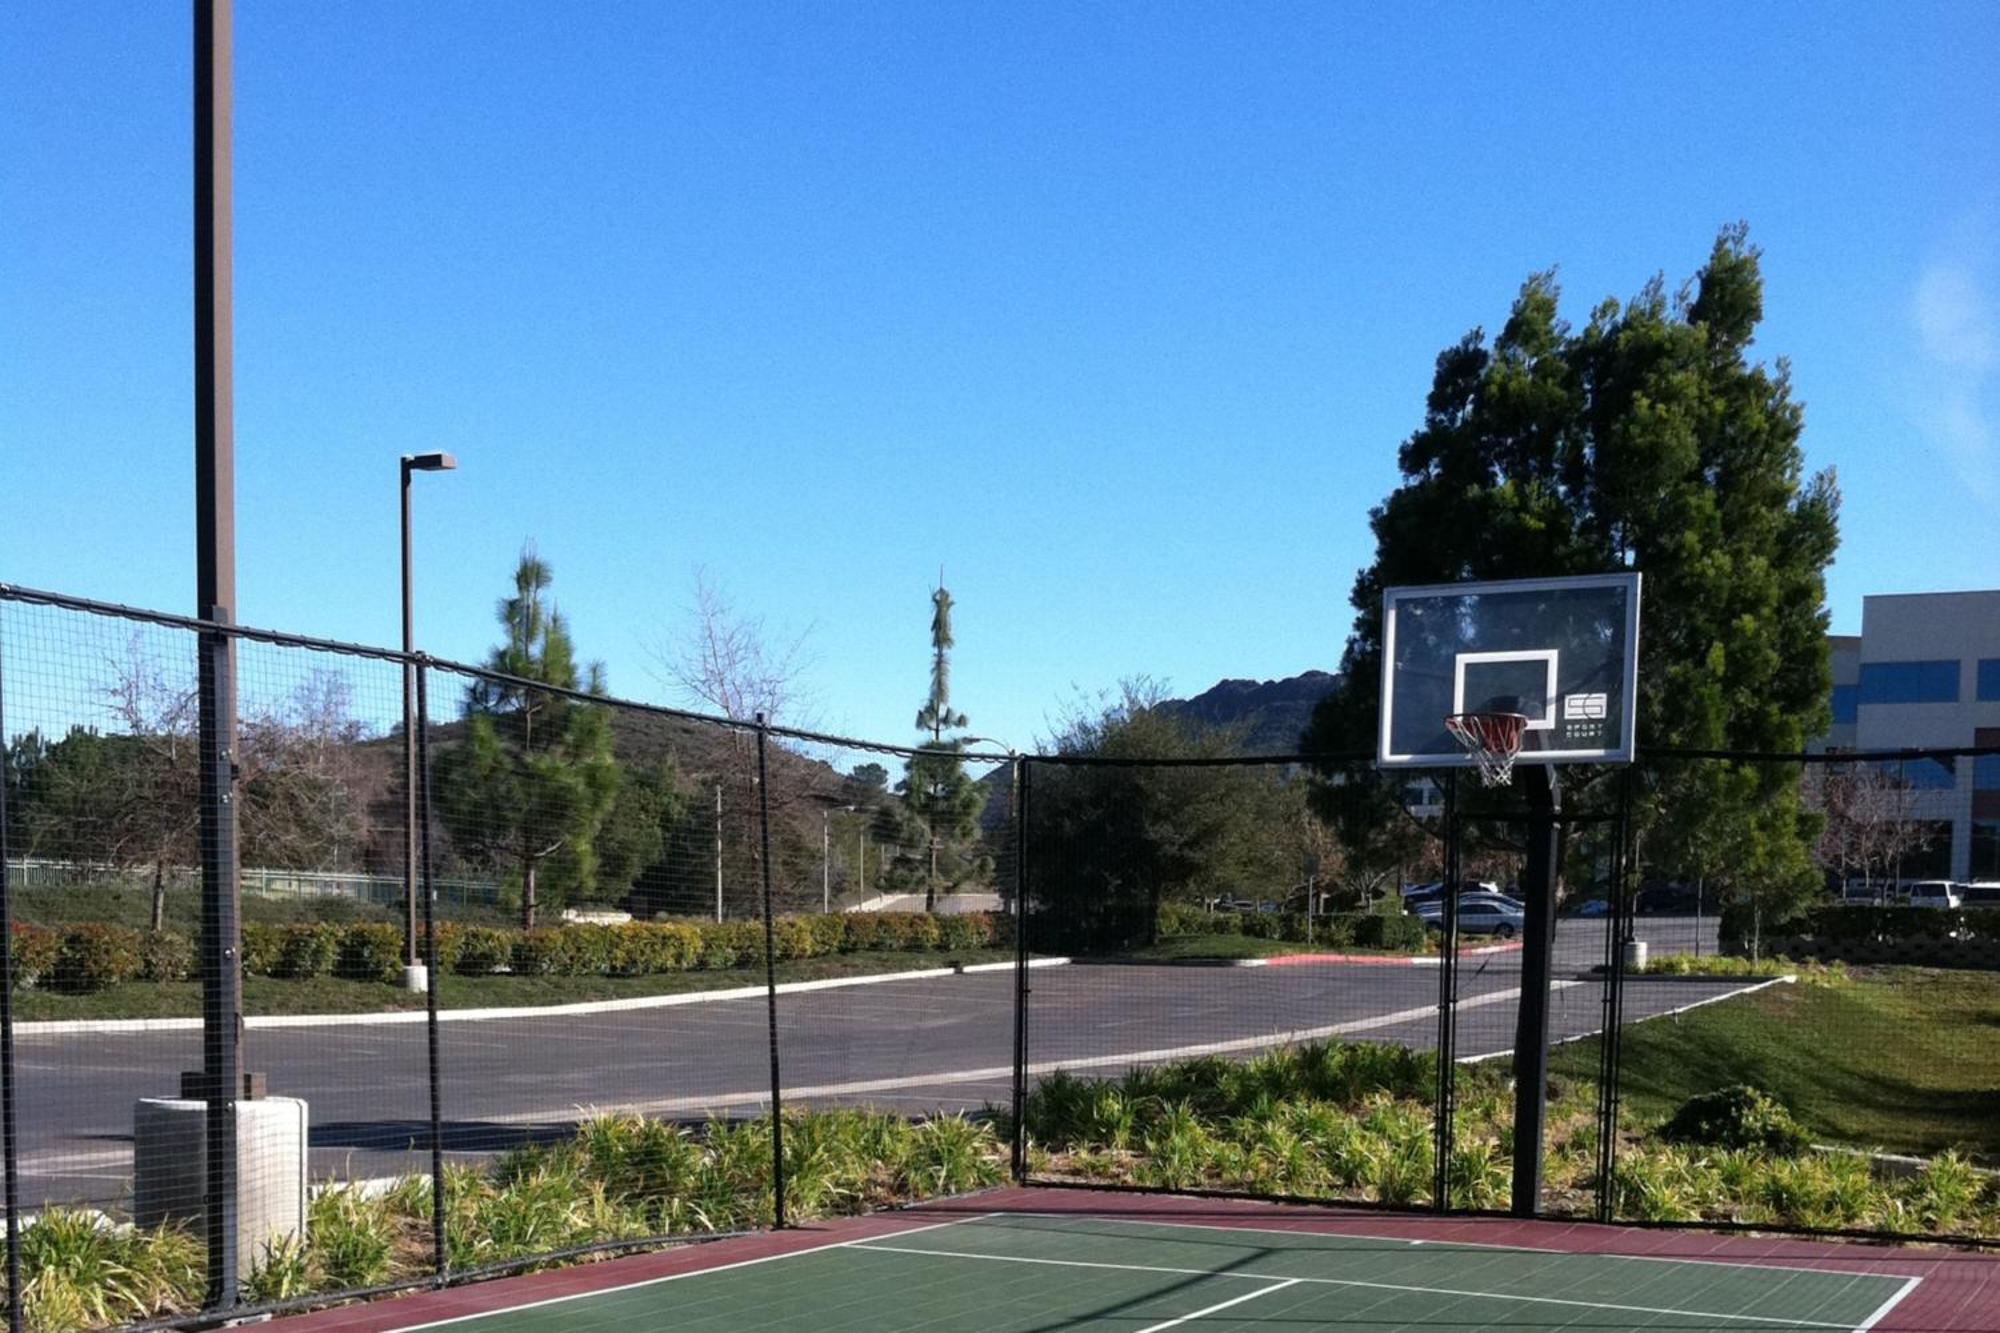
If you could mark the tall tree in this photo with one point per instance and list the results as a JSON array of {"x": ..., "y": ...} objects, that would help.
[
  {"x": 936, "y": 786},
  {"x": 530, "y": 787},
  {"x": 1647, "y": 440}
]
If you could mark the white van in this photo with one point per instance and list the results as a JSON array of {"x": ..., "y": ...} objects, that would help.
[
  {"x": 1980, "y": 893},
  {"x": 1935, "y": 893}
]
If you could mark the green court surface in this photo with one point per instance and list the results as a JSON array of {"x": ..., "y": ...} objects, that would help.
[{"x": 1022, "y": 1273}]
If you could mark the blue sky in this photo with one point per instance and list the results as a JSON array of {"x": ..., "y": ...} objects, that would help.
[{"x": 1120, "y": 322}]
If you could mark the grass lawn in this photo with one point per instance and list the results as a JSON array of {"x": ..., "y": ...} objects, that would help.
[
  {"x": 1904, "y": 1059},
  {"x": 1221, "y": 948},
  {"x": 329, "y": 995}
]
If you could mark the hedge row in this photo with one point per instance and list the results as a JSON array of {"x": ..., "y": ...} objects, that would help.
[
  {"x": 91, "y": 957},
  {"x": 1842, "y": 931},
  {"x": 1339, "y": 930}
]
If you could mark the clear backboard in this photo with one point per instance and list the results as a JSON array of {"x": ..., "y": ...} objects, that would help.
[{"x": 1562, "y": 652}]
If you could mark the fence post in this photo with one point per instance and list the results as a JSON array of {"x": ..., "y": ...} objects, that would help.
[
  {"x": 1020, "y": 1136},
  {"x": 1442, "y": 1129},
  {"x": 422, "y": 806},
  {"x": 771, "y": 977},
  {"x": 9, "y": 1143}
]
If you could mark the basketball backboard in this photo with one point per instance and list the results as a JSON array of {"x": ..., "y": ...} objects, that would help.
[{"x": 1563, "y": 652}]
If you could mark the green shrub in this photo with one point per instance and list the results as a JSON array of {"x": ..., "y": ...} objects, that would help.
[
  {"x": 973, "y": 930},
  {"x": 1736, "y": 1117},
  {"x": 351, "y": 1237},
  {"x": 534, "y": 953},
  {"x": 263, "y": 946},
  {"x": 308, "y": 952},
  {"x": 35, "y": 953},
  {"x": 481, "y": 950},
  {"x": 370, "y": 951},
  {"x": 94, "y": 956},
  {"x": 860, "y": 932},
  {"x": 1176, "y": 919},
  {"x": 829, "y": 933},
  {"x": 1402, "y": 933},
  {"x": 1337, "y": 931},
  {"x": 793, "y": 938},
  {"x": 167, "y": 955}
]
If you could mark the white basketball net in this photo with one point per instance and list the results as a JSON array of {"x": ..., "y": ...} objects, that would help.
[{"x": 1492, "y": 739}]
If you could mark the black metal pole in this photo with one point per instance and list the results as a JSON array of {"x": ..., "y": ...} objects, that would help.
[
  {"x": 1609, "y": 1045},
  {"x": 1531, "y": 1026},
  {"x": 9, "y": 1142},
  {"x": 215, "y": 600},
  {"x": 1020, "y": 1135},
  {"x": 1443, "y": 1131},
  {"x": 410, "y": 779},
  {"x": 771, "y": 978},
  {"x": 423, "y": 791}
]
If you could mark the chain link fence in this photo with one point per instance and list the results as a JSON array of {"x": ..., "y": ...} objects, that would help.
[{"x": 607, "y": 975}]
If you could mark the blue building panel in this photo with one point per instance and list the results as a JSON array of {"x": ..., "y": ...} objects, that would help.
[
  {"x": 1846, "y": 705},
  {"x": 1909, "y": 683},
  {"x": 1989, "y": 680}
]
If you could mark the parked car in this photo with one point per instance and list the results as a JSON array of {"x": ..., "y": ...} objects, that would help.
[
  {"x": 1980, "y": 893},
  {"x": 1433, "y": 911},
  {"x": 1486, "y": 915},
  {"x": 1934, "y": 893},
  {"x": 1591, "y": 907}
]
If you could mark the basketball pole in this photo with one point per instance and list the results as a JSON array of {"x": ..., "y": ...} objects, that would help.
[{"x": 1542, "y": 791}]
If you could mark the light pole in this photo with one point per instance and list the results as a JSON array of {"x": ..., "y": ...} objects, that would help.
[
  {"x": 826, "y": 857},
  {"x": 416, "y": 977}
]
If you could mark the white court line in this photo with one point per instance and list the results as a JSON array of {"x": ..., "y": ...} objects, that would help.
[
  {"x": 1887, "y": 1306},
  {"x": 1760, "y": 1266},
  {"x": 675, "y": 1277},
  {"x": 1375, "y": 1286},
  {"x": 1219, "y": 1305}
]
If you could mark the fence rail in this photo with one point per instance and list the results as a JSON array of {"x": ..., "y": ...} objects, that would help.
[{"x": 1203, "y": 978}]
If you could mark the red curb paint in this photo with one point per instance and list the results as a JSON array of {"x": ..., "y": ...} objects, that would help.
[{"x": 1379, "y": 960}]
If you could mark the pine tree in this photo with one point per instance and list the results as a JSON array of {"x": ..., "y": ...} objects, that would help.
[
  {"x": 1645, "y": 440},
  {"x": 531, "y": 786},
  {"x": 936, "y": 788}
]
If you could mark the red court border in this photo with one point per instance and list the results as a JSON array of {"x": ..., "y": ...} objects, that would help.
[{"x": 1959, "y": 1291}]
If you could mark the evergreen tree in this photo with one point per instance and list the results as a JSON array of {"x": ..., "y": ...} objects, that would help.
[
  {"x": 1646, "y": 440},
  {"x": 531, "y": 786},
  {"x": 936, "y": 787}
]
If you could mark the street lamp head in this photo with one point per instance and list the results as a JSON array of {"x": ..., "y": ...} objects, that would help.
[{"x": 429, "y": 462}]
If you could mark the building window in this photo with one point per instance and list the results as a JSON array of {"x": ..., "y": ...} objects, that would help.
[
  {"x": 1985, "y": 851},
  {"x": 1909, "y": 682},
  {"x": 1989, "y": 680},
  {"x": 1986, "y": 772},
  {"x": 1921, "y": 774},
  {"x": 1846, "y": 702}
]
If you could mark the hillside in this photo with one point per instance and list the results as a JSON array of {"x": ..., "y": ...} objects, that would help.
[{"x": 1271, "y": 714}]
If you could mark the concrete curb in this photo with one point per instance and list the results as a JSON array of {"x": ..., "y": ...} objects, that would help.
[
  {"x": 140, "y": 1026},
  {"x": 1374, "y": 959}
]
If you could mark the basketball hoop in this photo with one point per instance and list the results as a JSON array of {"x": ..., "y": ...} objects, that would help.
[{"x": 1492, "y": 739}]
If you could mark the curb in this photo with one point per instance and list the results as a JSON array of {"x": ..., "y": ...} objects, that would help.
[
  {"x": 129, "y": 1026},
  {"x": 1374, "y": 959}
]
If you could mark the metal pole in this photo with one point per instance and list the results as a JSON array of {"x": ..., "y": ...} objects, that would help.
[
  {"x": 1020, "y": 1144},
  {"x": 1444, "y": 1131},
  {"x": 718, "y": 852},
  {"x": 771, "y": 980},
  {"x": 1610, "y": 1049},
  {"x": 215, "y": 601},
  {"x": 1531, "y": 1027},
  {"x": 10, "y": 1160},
  {"x": 410, "y": 688},
  {"x": 423, "y": 775},
  {"x": 825, "y": 861}
]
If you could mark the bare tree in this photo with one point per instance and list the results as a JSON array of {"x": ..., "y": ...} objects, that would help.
[
  {"x": 1869, "y": 820},
  {"x": 156, "y": 817},
  {"x": 300, "y": 775},
  {"x": 727, "y": 661}
]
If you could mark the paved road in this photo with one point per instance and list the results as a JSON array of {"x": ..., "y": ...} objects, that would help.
[{"x": 913, "y": 1046}]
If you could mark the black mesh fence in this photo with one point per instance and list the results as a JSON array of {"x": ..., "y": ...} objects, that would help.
[{"x": 606, "y": 974}]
